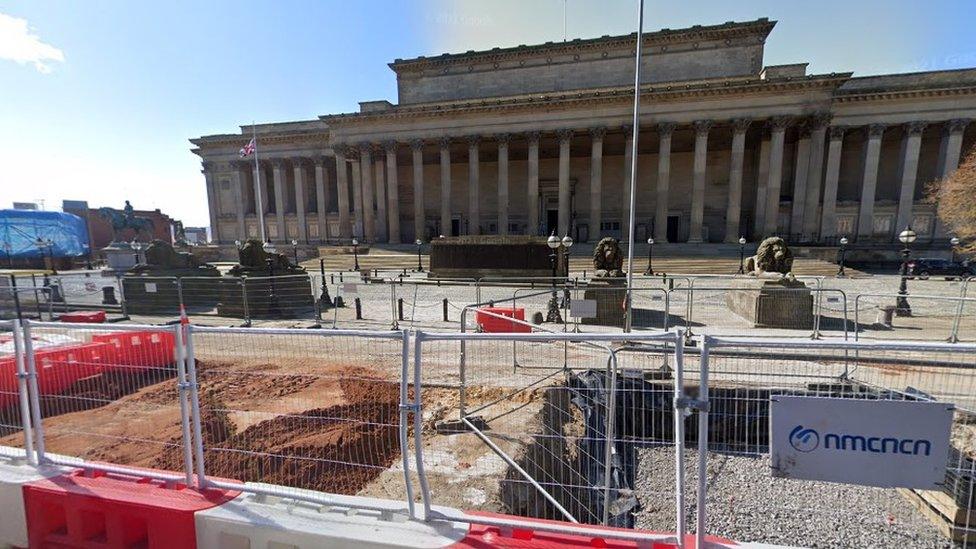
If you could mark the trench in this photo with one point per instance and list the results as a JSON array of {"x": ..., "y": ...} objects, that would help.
[{"x": 569, "y": 460}]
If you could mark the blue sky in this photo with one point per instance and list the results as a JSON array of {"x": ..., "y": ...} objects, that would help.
[{"x": 98, "y": 98}]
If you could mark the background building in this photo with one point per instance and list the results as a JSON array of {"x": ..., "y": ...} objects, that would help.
[
  {"x": 100, "y": 229},
  {"x": 535, "y": 139}
]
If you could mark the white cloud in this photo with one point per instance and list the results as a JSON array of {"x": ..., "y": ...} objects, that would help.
[{"x": 20, "y": 45}]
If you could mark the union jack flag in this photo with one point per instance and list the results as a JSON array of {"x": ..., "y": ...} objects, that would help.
[{"x": 248, "y": 149}]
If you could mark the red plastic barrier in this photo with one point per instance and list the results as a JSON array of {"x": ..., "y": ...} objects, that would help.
[
  {"x": 481, "y": 536},
  {"x": 139, "y": 351},
  {"x": 491, "y": 323},
  {"x": 8, "y": 382},
  {"x": 59, "y": 367},
  {"x": 93, "y": 317},
  {"x": 109, "y": 511}
]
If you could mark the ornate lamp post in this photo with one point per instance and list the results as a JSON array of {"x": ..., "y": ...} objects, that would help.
[
  {"x": 742, "y": 255},
  {"x": 567, "y": 244},
  {"x": 953, "y": 242},
  {"x": 902, "y": 308},
  {"x": 420, "y": 265},
  {"x": 843, "y": 255},
  {"x": 650, "y": 257},
  {"x": 137, "y": 246},
  {"x": 294, "y": 247},
  {"x": 355, "y": 254},
  {"x": 552, "y": 312}
]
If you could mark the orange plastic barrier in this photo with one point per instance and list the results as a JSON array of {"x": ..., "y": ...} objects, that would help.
[
  {"x": 114, "y": 511},
  {"x": 93, "y": 317},
  {"x": 491, "y": 323},
  {"x": 139, "y": 351}
]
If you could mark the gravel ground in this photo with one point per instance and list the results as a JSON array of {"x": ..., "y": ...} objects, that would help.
[{"x": 746, "y": 504}]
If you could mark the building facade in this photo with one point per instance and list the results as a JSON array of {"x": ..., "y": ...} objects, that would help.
[{"x": 537, "y": 139}]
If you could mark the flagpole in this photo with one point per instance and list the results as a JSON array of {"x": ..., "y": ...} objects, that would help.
[{"x": 258, "y": 186}]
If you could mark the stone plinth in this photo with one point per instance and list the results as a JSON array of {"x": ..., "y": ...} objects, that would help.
[
  {"x": 609, "y": 294},
  {"x": 493, "y": 256},
  {"x": 120, "y": 257},
  {"x": 772, "y": 303}
]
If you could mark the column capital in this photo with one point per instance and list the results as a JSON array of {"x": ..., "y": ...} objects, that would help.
[
  {"x": 820, "y": 120},
  {"x": 876, "y": 130},
  {"x": 740, "y": 125},
  {"x": 340, "y": 149},
  {"x": 779, "y": 123},
  {"x": 444, "y": 142},
  {"x": 664, "y": 129},
  {"x": 473, "y": 140},
  {"x": 503, "y": 138},
  {"x": 390, "y": 145},
  {"x": 702, "y": 127},
  {"x": 564, "y": 134},
  {"x": 207, "y": 167},
  {"x": 957, "y": 124},
  {"x": 279, "y": 163},
  {"x": 365, "y": 148},
  {"x": 323, "y": 160},
  {"x": 598, "y": 132},
  {"x": 837, "y": 132},
  {"x": 240, "y": 164},
  {"x": 534, "y": 136},
  {"x": 627, "y": 128},
  {"x": 301, "y": 162},
  {"x": 417, "y": 145},
  {"x": 915, "y": 127}
]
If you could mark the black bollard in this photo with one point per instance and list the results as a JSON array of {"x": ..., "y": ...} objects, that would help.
[
  {"x": 359, "y": 309},
  {"x": 338, "y": 302},
  {"x": 445, "y": 309},
  {"x": 400, "y": 307},
  {"x": 340, "y": 276},
  {"x": 108, "y": 296}
]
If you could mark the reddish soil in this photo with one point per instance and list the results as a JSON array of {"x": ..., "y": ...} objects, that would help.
[{"x": 333, "y": 431}]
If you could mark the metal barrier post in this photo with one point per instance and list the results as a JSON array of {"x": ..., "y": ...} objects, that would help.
[
  {"x": 608, "y": 448},
  {"x": 679, "y": 435},
  {"x": 247, "y": 312},
  {"x": 418, "y": 441},
  {"x": 191, "y": 367},
  {"x": 179, "y": 294},
  {"x": 13, "y": 288},
  {"x": 702, "y": 443},
  {"x": 405, "y": 408},
  {"x": 22, "y": 393},
  {"x": 182, "y": 388},
  {"x": 35, "y": 399}
]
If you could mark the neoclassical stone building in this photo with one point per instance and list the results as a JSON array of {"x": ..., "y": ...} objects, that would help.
[{"x": 535, "y": 139}]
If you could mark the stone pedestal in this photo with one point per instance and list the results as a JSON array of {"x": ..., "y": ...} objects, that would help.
[
  {"x": 772, "y": 303},
  {"x": 120, "y": 257},
  {"x": 609, "y": 294}
]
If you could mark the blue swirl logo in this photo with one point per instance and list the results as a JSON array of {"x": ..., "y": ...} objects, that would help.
[{"x": 804, "y": 440}]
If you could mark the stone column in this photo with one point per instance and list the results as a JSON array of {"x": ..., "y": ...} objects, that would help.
[
  {"x": 474, "y": 186},
  {"x": 503, "y": 140},
  {"x": 800, "y": 170},
  {"x": 951, "y": 146},
  {"x": 342, "y": 191},
  {"x": 596, "y": 182},
  {"x": 532, "y": 186},
  {"x": 359, "y": 222},
  {"x": 562, "y": 222},
  {"x": 240, "y": 179},
  {"x": 762, "y": 179},
  {"x": 392, "y": 192},
  {"x": 366, "y": 177},
  {"x": 818, "y": 131},
  {"x": 910, "y": 145},
  {"x": 279, "y": 166},
  {"x": 777, "y": 130},
  {"x": 322, "y": 196},
  {"x": 382, "y": 229},
  {"x": 828, "y": 219},
  {"x": 698, "y": 180},
  {"x": 625, "y": 191},
  {"x": 208, "y": 176},
  {"x": 664, "y": 130},
  {"x": 299, "y": 167},
  {"x": 734, "y": 210},
  {"x": 869, "y": 180},
  {"x": 446, "y": 186},
  {"x": 419, "y": 222}
]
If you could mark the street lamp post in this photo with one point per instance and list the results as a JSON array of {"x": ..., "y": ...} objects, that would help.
[
  {"x": 843, "y": 255},
  {"x": 420, "y": 265},
  {"x": 294, "y": 247},
  {"x": 650, "y": 257},
  {"x": 325, "y": 299},
  {"x": 567, "y": 244},
  {"x": 742, "y": 255},
  {"x": 552, "y": 312},
  {"x": 953, "y": 242},
  {"x": 355, "y": 255},
  {"x": 269, "y": 262},
  {"x": 902, "y": 308}
]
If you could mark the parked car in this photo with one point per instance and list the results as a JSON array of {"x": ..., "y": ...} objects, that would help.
[{"x": 925, "y": 267}]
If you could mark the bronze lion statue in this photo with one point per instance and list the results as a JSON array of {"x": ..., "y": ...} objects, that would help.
[
  {"x": 773, "y": 258},
  {"x": 608, "y": 261}
]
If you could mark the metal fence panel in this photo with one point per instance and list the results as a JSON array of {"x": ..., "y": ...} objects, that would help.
[{"x": 15, "y": 423}]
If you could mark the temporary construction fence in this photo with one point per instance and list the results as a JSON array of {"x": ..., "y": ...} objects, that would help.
[{"x": 585, "y": 427}]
